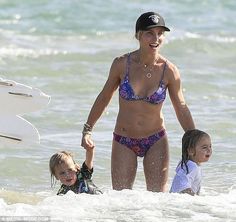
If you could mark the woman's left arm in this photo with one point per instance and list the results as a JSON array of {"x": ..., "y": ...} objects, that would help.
[{"x": 177, "y": 98}]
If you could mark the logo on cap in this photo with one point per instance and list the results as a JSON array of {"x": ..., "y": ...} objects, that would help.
[{"x": 154, "y": 18}]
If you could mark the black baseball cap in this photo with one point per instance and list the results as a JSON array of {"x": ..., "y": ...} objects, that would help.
[{"x": 150, "y": 20}]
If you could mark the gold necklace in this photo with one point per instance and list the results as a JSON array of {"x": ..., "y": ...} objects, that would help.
[
  {"x": 149, "y": 72},
  {"x": 149, "y": 67}
]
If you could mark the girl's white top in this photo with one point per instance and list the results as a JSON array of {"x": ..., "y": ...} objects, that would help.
[{"x": 182, "y": 180}]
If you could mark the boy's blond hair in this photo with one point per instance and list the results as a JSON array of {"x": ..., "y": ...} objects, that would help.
[{"x": 57, "y": 159}]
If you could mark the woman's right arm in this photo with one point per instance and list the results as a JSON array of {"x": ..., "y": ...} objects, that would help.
[{"x": 103, "y": 100}]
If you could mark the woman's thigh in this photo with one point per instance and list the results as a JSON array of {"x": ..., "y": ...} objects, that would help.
[
  {"x": 123, "y": 166},
  {"x": 156, "y": 165}
]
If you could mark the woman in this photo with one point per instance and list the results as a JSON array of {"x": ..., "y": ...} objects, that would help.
[{"x": 143, "y": 77}]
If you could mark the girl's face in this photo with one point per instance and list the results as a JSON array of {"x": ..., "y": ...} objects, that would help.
[
  {"x": 66, "y": 172},
  {"x": 151, "y": 39},
  {"x": 202, "y": 151}
]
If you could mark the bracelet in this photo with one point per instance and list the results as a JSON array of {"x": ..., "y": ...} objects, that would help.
[{"x": 87, "y": 130}]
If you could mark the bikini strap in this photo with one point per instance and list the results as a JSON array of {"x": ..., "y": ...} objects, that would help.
[
  {"x": 164, "y": 70},
  {"x": 127, "y": 65}
]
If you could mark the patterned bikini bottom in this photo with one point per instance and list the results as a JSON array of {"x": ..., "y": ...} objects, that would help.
[{"x": 141, "y": 145}]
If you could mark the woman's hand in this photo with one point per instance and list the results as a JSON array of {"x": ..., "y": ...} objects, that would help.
[{"x": 87, "y": 142}]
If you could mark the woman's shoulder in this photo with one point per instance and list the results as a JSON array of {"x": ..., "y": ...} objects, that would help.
[
  {"x": 120, "y": 62},
  {"x": 121, "y": 58},
  {"x": 170, "y": 66},
  {"x": 171, "y": 71}
]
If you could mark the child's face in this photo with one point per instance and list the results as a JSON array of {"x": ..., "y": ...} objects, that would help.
[
  {"x": 202, "y": 151},
  {"x": 66, "y": 172}
]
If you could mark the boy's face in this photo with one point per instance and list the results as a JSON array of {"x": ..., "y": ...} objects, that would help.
[{"x": 66, "y": 172}]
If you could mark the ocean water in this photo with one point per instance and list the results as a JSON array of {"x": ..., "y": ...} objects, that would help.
[{"x": 65, "y": 49}]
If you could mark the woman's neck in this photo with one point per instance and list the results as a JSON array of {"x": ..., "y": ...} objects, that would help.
[{"x": 147, "y": 59}]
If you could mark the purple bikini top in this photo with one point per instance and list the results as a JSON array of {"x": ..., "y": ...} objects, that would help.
[{"x": 126, "y": 91}]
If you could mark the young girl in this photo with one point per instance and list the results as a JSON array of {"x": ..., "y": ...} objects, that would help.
[
  {"x": 196, "y": 149},
  {"x": 63, "y": 167}
]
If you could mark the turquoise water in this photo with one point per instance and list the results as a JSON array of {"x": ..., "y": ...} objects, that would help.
[{"x": 66, "y": 51}]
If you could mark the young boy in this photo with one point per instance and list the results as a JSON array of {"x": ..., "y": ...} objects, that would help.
[{"x": 63, "y": 167}]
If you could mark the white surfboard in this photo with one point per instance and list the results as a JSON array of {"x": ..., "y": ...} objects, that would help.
[
  {"x": 15, "y": 129},
  {"x": 17, "y": 98}
]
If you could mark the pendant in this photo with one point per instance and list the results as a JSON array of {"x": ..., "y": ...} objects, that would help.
[{"x": 149, "y": 75}]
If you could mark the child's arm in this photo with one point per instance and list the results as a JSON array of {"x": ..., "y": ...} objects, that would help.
[
  {"x": 89, "y": 158},
  {"x": 87, "y": 167},
  {"x": 87, "y": 171}
]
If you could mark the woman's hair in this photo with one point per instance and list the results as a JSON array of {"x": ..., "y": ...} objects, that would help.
[
  {"x": 57, "y": 159},
  {"x": 189, "y": 141}
]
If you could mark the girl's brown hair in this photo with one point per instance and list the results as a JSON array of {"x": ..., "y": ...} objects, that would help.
[{"x": 190, "y": 140}]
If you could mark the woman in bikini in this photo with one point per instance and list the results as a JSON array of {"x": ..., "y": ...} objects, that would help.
[{"x": 143, "y": 77}]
